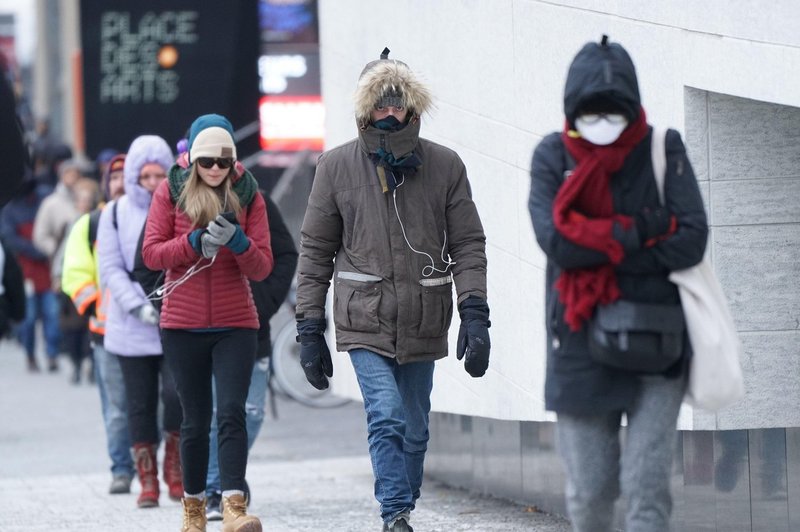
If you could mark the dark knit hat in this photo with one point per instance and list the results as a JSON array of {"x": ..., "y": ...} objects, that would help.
[
  {"x": 106, "y": 155},
  {"x": 392, "y": 97},
  {"x": 211, "y": 136}
]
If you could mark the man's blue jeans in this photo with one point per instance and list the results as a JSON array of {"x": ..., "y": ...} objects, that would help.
[
  {"x": 108, "y": 376},
  {"x": 254, "y": 411},
  {"x": 397, "y": 400},
  {"x": 44, "y": 306}
]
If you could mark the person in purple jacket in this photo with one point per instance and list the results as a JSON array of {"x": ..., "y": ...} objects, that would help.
[{"x": 132, "y": 324}]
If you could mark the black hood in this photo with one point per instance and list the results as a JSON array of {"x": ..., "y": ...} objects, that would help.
[{"x": 602, "y": 71}]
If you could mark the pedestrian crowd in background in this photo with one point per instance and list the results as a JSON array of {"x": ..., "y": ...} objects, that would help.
[
  {"x": 72, "y": 258},
  {"x": 156, "y": 268}
]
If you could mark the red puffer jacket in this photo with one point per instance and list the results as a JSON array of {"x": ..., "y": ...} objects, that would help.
[{"x": 219, "y": 295}]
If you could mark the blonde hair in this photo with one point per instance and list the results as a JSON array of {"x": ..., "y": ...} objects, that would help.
[{"x": 201, "y": 203}]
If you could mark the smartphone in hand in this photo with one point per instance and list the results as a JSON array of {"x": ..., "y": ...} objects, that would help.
[{"x": 230, "y": 216}]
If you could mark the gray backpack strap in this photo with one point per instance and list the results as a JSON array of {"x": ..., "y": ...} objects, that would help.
[{"x": 658, "y": 147}]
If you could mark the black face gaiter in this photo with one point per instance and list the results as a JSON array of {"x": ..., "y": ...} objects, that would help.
[{"x": 390, "y": 123}]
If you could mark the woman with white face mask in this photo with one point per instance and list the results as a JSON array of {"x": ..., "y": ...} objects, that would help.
[
  {"x": 609, "y": 240},
  {"x": 601, "y": 128}
]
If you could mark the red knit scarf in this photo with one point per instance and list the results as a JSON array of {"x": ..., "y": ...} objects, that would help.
[{"x": 583, "y": 212}]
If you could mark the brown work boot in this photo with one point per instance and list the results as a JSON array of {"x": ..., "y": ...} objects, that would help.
[
  {"x": 172, "y": 465},
  {"x": 235, "y": 518},
  {"x": 144, "y": 455},
  {"x": 194, "y": 515}
]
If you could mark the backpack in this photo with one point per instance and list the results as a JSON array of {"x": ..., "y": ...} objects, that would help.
[{"x": 150, "y": 280}]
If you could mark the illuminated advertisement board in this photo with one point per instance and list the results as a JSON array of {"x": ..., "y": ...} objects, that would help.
[
  {"x": 290, "y": 109},
  {"x": 151, "y": 67}
]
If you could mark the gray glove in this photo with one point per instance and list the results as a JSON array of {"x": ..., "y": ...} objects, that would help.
[
  {"x": 209, "y": 245},
  {"x": 220, "y": 230},
  {"x": 147, "y": 313}
]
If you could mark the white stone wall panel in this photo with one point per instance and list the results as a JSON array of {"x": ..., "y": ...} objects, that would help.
[{"x": 497, "y": 70}]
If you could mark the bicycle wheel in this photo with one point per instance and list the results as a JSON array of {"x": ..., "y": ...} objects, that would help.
[{"x": 290, "y": 376}]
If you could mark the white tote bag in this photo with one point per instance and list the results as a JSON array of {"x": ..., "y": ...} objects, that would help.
[{"x": 715, "y": 373}]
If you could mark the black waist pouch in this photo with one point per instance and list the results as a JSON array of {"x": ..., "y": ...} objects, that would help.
[{"x": 639, "y": 337}]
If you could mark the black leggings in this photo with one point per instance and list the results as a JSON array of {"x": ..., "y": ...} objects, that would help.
[
  {"x": 141, "y": 376},
  {"x": 193, "y": 358}
]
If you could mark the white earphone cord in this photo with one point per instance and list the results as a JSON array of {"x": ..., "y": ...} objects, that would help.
[
  {"x": 167, "y": 288},
  {"x": 431, "y": 268}
]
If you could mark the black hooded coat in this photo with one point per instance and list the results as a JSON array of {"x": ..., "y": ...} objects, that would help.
[
  {"x": 575, "y": 383},
  {"x": 15, "y": 154}
]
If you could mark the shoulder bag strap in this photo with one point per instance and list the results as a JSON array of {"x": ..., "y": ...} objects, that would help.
[{"x": 658, "y": 148}]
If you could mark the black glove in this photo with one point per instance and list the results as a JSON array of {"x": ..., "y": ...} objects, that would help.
[
  {"x": 473, "y": 335},
  {"x": 315, "y": 358},
  {"x": 652, "y": 223}
]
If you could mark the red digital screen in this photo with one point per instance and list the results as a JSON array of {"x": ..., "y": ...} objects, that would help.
[{"x": 292, "y": 123}]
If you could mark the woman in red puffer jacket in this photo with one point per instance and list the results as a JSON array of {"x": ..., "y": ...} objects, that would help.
[{"x": 208, "y": 230}]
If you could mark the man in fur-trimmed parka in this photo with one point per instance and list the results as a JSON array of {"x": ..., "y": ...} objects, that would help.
[{"x": 395, "y": 212}]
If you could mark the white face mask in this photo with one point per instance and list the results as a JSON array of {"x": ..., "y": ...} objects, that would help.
[{"x": 601, "y": 129}]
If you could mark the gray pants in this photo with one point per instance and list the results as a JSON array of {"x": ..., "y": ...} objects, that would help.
[{"x": 590, "y": 449}]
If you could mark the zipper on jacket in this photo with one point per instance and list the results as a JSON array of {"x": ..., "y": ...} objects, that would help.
[{"x": 208, "y": 298}]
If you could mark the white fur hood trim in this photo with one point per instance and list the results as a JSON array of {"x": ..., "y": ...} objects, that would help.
[{"x": 387, "y": 75}]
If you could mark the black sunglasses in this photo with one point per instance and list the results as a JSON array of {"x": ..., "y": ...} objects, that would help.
[{"x": 209, "y": 162}]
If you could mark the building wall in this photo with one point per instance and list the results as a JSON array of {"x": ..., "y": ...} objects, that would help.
[
  {"x": 723, "y": 72},
  {"x": 746, "y": 155},
  {"x": 731, "y": 480}
]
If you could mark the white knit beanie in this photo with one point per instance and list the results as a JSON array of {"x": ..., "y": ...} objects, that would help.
[
  {"x": 213, "y": 142},
  {"x": 211, "y": 135}
]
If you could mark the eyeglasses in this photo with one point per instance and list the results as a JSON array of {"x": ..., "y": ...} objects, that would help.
[
  {"x": 615, "y": 118},
  {"x": 209, "y": 162}
]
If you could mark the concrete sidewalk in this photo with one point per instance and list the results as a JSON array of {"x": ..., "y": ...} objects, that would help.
[{"x": 308, "y": 471}]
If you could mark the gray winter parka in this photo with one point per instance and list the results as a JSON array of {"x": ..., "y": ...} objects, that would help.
[{"x": 385, "y": 299}]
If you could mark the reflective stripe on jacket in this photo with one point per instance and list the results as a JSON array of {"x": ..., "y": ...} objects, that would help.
[{"x": 80, "y": 275}]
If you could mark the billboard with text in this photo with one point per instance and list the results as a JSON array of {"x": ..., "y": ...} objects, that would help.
[{"x": 152, "y": 67}]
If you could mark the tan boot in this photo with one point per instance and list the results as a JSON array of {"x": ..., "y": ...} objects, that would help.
[
  {"x": 235, "y": 518},
  {"x": 194, "y": 515}
]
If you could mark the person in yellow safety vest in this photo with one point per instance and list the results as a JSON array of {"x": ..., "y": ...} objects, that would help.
[{"x": 80, "y": 280}]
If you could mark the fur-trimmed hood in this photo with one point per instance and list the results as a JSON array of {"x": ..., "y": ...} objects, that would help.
[{"x": 389, "y": 76}]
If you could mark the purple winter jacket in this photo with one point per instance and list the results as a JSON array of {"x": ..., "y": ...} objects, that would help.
[{"x": 126, "y": 335}]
